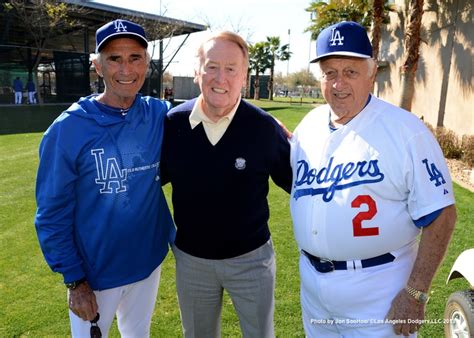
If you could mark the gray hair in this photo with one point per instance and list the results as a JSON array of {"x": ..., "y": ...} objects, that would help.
[
  {"x": 97, "y": 57},
  {"x": 226, "y": 36}
]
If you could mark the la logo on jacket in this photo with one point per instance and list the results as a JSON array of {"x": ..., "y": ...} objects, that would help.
[{"x": 109, "y": 175}]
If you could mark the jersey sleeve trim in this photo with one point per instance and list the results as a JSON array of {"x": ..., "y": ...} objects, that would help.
[{"x": 426, "y": 220}]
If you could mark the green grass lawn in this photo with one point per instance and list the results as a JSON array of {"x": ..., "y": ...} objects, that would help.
[{"x": 33, "y": 299}]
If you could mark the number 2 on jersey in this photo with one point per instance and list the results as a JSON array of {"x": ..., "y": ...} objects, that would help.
[{"x": 364, "y": 216}]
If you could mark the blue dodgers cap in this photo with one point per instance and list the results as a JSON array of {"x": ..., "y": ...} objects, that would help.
[
  {"x": 346, "y": 38},
  {"x": 119, "y": 29}
]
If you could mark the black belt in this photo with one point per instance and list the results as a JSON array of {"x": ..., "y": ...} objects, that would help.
[{"x": 324, "y": 265}]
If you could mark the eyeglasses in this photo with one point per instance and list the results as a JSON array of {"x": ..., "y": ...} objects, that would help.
[{"x": 95, "y": 329}]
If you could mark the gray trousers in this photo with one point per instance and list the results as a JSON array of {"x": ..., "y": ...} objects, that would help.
[{"x": 248, "y": 279}]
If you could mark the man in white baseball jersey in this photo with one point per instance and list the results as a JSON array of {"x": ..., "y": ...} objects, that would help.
[{"x": 368, "y": 178}]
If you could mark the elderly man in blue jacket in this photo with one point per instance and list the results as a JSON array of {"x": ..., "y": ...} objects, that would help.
[{"x": 102, "y": 219}]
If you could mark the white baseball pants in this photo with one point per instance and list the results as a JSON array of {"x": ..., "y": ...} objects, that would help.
[
  {"x": 18, "y": 97},
  {"x": 353, "y": 303},
  {"x": 133, "y": 304},
  {"x": 31, "y": 97}
]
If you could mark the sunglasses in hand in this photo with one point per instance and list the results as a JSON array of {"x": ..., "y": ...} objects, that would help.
[{"x": 95, "y": 329}]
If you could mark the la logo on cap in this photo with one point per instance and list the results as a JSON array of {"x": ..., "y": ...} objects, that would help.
[
  {"x": 119, "y": 26},
  {"x": 336, "y": 36},
  {"x": 345, "y": 38}
]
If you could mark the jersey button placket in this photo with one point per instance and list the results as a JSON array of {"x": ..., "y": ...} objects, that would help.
[
  {"x": 320, "y": 211},
  {"x": 316, "y": 219}
]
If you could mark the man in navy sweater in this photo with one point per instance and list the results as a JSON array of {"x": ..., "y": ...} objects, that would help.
[{"x": 218, "y": 153}]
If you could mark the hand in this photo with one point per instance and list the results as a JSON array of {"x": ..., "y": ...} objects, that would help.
[
  {"x": 406, "y": 313},
  {"x": 82, "y": 302},
  {"x": 288, "y": 133}
]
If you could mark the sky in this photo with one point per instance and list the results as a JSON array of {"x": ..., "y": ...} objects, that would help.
[{"x": 254, "y": 20}]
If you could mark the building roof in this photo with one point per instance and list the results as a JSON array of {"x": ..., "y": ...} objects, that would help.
[
  {"x": 80, "y": 36},
  {"x": 157, "y": 26}
]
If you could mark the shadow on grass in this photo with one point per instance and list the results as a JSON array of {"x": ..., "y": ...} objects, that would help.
[{"x": 276, "y": 108}]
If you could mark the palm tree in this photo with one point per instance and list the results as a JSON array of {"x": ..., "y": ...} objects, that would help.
[
  {"x": 259, "y": 62},
  {"x": 450, "y": 17},
  {"x": 412, "y": 52},
  {"x": 276, "y": 53},
  {"x": 381, "y": 9},
  {"x": 334, "y": 11}
]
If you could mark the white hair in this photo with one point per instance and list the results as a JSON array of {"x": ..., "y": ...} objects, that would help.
[
  {"x": 371, "y": 64},
  {"x": 225, "y": 36}
]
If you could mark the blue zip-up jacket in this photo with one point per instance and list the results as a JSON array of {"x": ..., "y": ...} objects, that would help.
[{"x": 101, "y": 211}]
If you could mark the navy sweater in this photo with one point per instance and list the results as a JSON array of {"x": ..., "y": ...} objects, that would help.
[{"x": 220, "y": 192}]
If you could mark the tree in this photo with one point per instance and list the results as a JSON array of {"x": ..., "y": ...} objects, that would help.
[
  {"x": 156, "y": 33},
  {"x": 377, "y": 27},
  {"x": 276, "y": 53},
  {"x": 304, "y": 78},
  {"x": 168, "y": 77},
  {"x": 412, "y": 52},
  {"x": 451, "y": 39},
  {"x": 381, "y": 9},
  {"x": 329, "y": 13},
  {"x": 42, "y": 19},
  {"x": 280, "y": 81},
  {"x": 259, "y": 62}
]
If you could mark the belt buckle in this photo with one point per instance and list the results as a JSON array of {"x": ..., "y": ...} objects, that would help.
[{"x": 326, "y": 265}]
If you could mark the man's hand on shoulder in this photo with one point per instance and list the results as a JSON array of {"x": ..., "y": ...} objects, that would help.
[{"x": 287, "y": 132}]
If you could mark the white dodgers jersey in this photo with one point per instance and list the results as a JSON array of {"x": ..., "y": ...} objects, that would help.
[{"x": 357, "y": 190}]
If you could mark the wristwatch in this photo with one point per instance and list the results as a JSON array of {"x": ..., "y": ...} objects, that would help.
[
  {"x": 75, "y": 284},
  {"x": 421, "y": 297}
]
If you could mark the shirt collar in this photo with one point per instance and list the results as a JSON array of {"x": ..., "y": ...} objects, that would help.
[{"x": 197, "y": 114}]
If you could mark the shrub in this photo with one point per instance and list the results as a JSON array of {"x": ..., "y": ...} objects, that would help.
[
  {"x": 467, "y": 145},
  {"x": 430, "y": 127},
  {"x": 452, "y": 146},
  {"x": 449, "y": 143}
]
